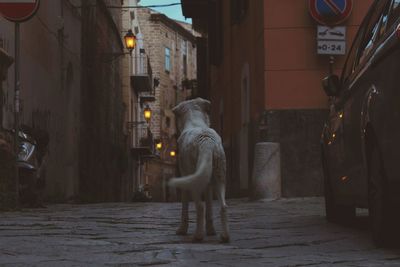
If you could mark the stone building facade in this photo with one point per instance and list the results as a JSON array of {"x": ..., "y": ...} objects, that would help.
[
  {"x": 172, "y": 50},
  {"x": 71, "y": 88}
]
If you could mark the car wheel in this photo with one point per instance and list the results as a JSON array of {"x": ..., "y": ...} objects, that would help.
[
  {"x": 378, "y": 201},
  {"x": 334, "y": 212}
]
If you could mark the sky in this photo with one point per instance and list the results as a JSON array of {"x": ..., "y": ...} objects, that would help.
[{"x": 174, "y": 12}]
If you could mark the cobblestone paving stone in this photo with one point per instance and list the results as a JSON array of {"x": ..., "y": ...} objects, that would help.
[{"x": 287, "y": 232}]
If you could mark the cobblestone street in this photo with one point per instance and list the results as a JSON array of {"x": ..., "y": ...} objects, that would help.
[{"x": 289, "y": 232}]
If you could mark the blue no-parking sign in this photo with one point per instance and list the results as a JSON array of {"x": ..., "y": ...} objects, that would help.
[{"x": 330, "y": 12}]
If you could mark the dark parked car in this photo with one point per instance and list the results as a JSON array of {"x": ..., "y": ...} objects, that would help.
[{"x": 361, "y": 140}]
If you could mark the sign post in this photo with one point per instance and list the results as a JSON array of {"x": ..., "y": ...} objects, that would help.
[
  {"x": 331, "y": 39},
  {"x": 17, "y": 11}
]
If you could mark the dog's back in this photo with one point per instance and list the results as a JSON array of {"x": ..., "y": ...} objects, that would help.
[
  {"x": 193, "y": 141},
  {"x": 201, "y": 155}
]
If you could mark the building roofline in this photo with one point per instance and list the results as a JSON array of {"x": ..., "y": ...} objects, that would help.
[{"x": 173, "y": 25}]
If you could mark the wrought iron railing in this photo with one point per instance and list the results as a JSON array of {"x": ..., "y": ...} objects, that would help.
[
  {"x": 142, "y": 73},
  {"x": 144, "y": 137},
  {"x": 141, "y": 65}
]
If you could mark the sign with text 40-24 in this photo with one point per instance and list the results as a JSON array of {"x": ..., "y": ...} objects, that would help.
[
  {"x": 328, "y": 47},
  {"x": 331, "y": 40}
]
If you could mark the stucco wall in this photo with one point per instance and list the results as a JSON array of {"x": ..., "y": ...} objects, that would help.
[
  {"x": 242, "y": 62},
  {"x": 296, "y": 106},
  {"x": 50, "y": 87},
  {"x": 293, "y": 70}
]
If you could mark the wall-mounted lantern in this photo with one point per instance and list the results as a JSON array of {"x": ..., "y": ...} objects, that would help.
[
  {"x": 147, "y": 113},
  {"x": 130, "y": 41},
  {"x": 159, "y": 145}
]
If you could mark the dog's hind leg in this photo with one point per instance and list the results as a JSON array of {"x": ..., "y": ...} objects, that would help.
[
  {"x": 220, "y": 190},
  {"x": 183, "y": 228},
  {"x": 209, "y": 211},
  {"x": 199, "y": 233}
]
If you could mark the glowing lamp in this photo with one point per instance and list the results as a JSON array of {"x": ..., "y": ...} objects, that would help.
[
  {"x": 159, "y": 146},
  {"x": 130, "y": 41},
  {"x": 147, "y": 113}
]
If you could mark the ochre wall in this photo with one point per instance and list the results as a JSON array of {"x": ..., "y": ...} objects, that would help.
[
  {"x": 242, "y": 43},
  {"x": 293, "y": 70}
]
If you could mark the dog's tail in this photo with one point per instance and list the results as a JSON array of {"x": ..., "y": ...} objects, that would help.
[{"x": 201, "y": 177}]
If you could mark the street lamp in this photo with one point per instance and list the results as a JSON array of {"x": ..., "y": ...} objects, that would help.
[
  {"x": 130, "y": 41},
  {"x": 159, "y": 145},
  {"x": 147, "y": 113}
]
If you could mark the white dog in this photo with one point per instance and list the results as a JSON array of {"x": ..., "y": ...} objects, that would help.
[{"x": 203, "y": 166}]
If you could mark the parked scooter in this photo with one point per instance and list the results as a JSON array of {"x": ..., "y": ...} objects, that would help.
[{"x": 31, "y": 162}]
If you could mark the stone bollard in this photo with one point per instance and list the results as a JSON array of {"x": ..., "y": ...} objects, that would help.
[{"x": 267, "y": 171}]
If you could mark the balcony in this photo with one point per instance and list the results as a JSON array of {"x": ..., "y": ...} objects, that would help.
[
  {"x": 144, "y": 148},
  {"x": 142, "y": 75}
]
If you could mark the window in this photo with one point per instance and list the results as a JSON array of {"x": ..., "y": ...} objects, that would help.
[
  {"x": 364, "y": 39},
  {"x": 394, "y": 13},
  {"x": 369, "y": 41},
  {"x": 349, "y": 66},
  {"x": 374, "y": 29},
  {"x": 167, "y": 59},
  {"x": 185, "y": 66}
]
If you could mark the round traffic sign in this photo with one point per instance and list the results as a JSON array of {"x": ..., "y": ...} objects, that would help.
[
  {"x": 330, "y": 12},
  {"x": 18, "y": 10}
]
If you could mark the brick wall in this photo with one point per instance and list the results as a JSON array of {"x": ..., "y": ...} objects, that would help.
[
  {"x": 160, "y": 33},
  {"x": 157, "y": 37}
]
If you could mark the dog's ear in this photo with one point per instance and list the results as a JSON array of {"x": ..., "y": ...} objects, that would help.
[
  {"x": 204, "y": 104},
  {"x": 177, "y": 109}
]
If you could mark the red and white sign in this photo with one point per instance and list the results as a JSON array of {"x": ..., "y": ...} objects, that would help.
[
  {"x": 18, "y": 10},
  {"x": 330, "y": 12}
]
